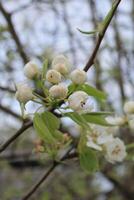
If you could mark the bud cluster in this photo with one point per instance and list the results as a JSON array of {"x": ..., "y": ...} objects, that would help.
[{"x": 56, "y": 76}]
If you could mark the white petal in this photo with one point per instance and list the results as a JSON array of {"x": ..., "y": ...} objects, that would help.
[{"x": 93, "y": 145}]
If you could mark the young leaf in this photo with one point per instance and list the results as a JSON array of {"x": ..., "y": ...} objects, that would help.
[
  {"x": 101, "y": 113},
  {"x": 77, "y": 118},
  {"x": 88, "y": 160},
  {"x": 88, "y": 32},
  {"x": 42, "y": 129},
  {"x": 95, "y": 119},
  {"x": 99, "y": 95},
  {"x": 94, "y": 92},
  {"x": 106, "y": 20},
  {"x": 50, "y": 120},
  {"x": 71, "y": 88}
]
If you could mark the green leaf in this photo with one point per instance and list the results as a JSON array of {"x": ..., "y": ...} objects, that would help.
[
  {"x": 77, "y": 118},
  {"x": 108, "y": 17},
  {"x": 101, "y": 113},
  {"x": 71, "y": 88},
  {"x": 96, "y": 119},
  {"x": 53, "y": 124},
  {"x": 58, "y": 135},
  {"x": 94, "y": 92},
  {"x": 42, "y": 129},
  {"x": 88, "y": 32},
  {"x": 99, "y": 95},
  {"x": 50, "y": 120},
  {"x": 88, "y": 160}
]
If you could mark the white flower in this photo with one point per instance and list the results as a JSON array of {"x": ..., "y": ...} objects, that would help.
[
  {"x": 129, "y": 107},
  {"x": 78, "y": 76},
  {"x": 58, "y": 91},
  {"x": 24, "y": 93},
  {"x": 77, "y": 100},
  {"x": 97, "y": 137},
  {"x": 115, "y": 150},
  {"x": 61, "y": 64},
  {"x": 99, "y": 130},
  {"x": 31, "y": 70},
  {"x": 92, "y": 144},
  {"x": 104, "y": 138},
  {"x": 117, "y": 121},
  {"x": 53, "y": 76}
]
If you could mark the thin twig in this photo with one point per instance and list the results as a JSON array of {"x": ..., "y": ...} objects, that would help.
[
  {"x": 8, "y": 18},
  {"x": 44, "y": 177},
  {"x": 7, "y": 89},
  {"x": 100, "y": 38},
  {"x": 25, "y": 126},
  {"x": 10, "y": 112}
]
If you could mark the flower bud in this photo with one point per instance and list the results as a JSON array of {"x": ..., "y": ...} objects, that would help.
[
  {"x": 61, "y": 64},
  {"x": 31, "y": 70},
  {"x": 53, "y": 76},
  {"x": 117, "y": 121},
  {"x": 58, "y": 91},
  {"x": 60, "y": 67},
  {"x": 129, "y": 107},
  {"x": 77, "y": 100},
  {"x": 24, "y": 93},
  {"x": 78, "y": 76}
]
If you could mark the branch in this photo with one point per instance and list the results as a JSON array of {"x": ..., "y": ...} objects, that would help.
[
  {"x": 100, "y": 37},
  {"x": 10, "y": 112},
  {"x": 44, "y": 177},
  {"x": 8, "y": 18},
  {"x": 7, "y": 89},
  {"x": 24, "y": 127}
]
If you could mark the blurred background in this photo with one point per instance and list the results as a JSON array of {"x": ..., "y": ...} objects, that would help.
[{"x": 38, "y": 29}]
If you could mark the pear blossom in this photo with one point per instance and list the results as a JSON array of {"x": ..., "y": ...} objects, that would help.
[
  {"x": 53, "y": 76},
  {"x": 104, "y": 138},
  {"x": 77, "y": 100},
  {"x": 78, "y": 76},
  {"x": 90, "y": 143},
  {"x": 118, "y": 121},
  {"x": 129, "y": 107},
  {"x": 115, "y": 150},
  {"x": 61, "y": 64},
  {"x": 97, "y": 138},
  {"x": 31, "y": 70},
  {"x": 24, "y": 93},
  {"x": 58, "y": 91}
]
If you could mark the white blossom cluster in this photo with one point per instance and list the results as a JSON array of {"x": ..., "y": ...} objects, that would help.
[
  {"x": 102, "y": 139},
  {"x": 60, "y": 71}
]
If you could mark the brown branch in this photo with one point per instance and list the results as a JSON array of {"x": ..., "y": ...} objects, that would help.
[
  {"x": 7, "y": 89},
  {"x": 8, "y": 18},
  {"x": 44, "y": 177},
  {"x": 24, "y": 127},
  {"x": 100, "y": 38},
  {"x": 93, "y": 11},
  {"x": 10, "y": 112}
]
